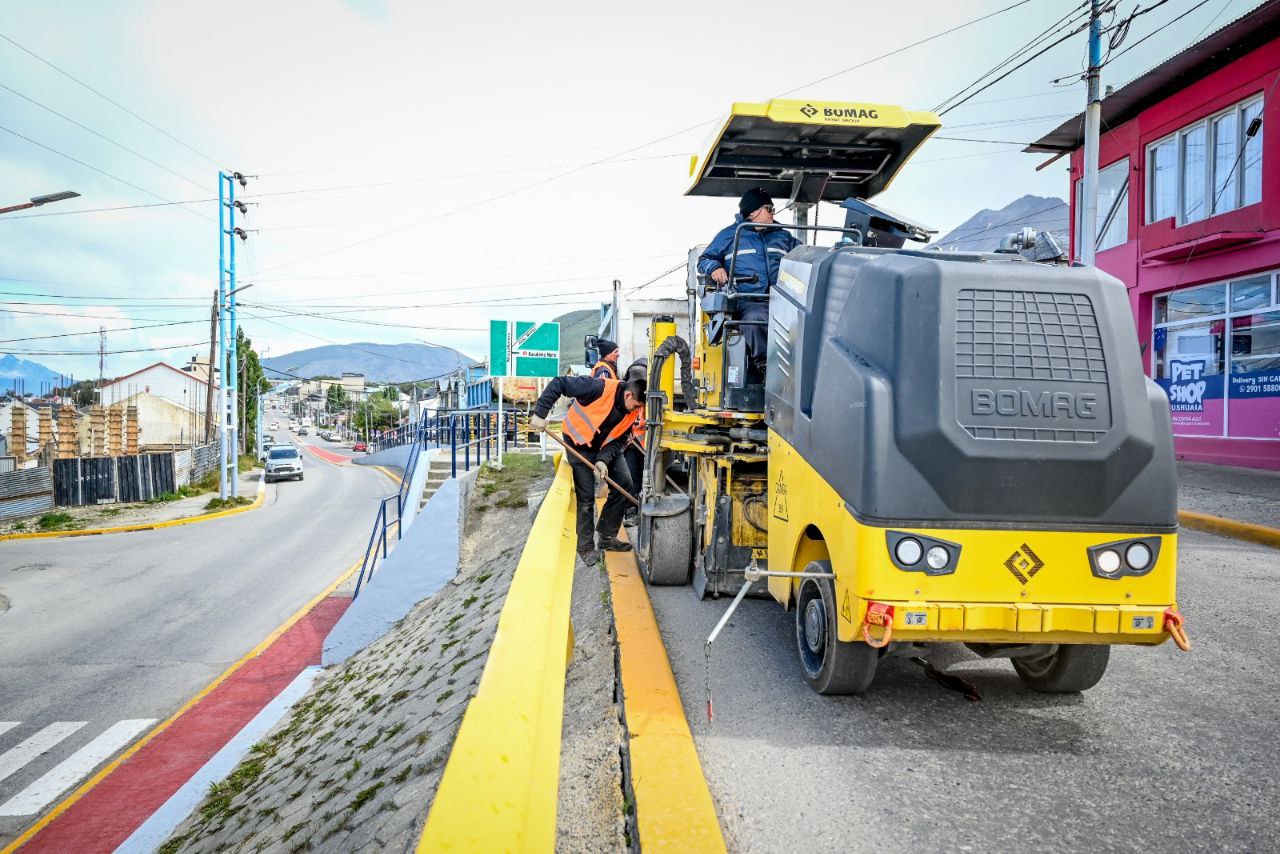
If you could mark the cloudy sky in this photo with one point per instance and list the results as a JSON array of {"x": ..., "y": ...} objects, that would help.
[{"x": 422, "y": 167}]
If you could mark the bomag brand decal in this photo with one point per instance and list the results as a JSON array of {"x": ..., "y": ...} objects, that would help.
[
  {"x": 850, "y": 113},
  {"x": 1020, "y": 402},
  {"x": 1024, "y": 564}
]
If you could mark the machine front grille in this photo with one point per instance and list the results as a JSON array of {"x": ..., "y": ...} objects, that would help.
[{"x": 1029, "y": 336}]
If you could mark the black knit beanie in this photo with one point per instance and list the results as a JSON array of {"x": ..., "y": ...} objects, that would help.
[{"x": 753, "y": 200}]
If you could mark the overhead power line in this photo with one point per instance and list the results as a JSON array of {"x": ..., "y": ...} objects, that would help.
[
  {"x": 103, "y": 352},
  {"x": 966, "y": 233},
  {"x": 99, "y": 171},
  {"x": 109, "y": 100},
  {"x": 101, "y": 136}
]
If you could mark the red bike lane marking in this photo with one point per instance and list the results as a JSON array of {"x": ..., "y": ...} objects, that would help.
[
  {"x": 329, "y": 456},
  {"x": 110, "y": 812}
]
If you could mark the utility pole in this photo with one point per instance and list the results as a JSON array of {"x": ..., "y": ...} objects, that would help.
[
  {"x": 102, "y": 359},
  {"x": 208, "y": 394},
  {"x": 228, "y": 359},
  {"x": 1092, "y": 120}
]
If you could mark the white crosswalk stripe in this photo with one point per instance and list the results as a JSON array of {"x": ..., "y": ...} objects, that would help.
[
  {"x": 5, "y": 726},
  {"x": 43, "y": 741},
  {"x": 69, "y": 771}
]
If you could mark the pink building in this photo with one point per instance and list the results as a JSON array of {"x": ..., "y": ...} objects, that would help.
[{"x": 1189, "y": 220}]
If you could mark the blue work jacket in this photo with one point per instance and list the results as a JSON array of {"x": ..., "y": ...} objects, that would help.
[{"x": 759, "y": 253}]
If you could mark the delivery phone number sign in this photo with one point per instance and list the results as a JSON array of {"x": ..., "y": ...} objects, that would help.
[{"x": 524, "y": 348}]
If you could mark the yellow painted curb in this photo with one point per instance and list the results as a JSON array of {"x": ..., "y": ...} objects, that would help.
[
  {"x": 79, "y": 793},
  {"x": 500, "y": 789},
  {"x": 674, "y": 809},
  {"x": 388, "y": 472},
  {"x": 146, "y": 526},
  {"x": 1233, "y": 528}
]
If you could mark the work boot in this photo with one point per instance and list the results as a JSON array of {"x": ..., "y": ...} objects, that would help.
[
  {"x": 613, "y": 544},
  {"x": 631, "y": 518},
  {"x": 589, "y": 557}
]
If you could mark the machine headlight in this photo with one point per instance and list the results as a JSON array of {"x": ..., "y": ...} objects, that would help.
[
  {"x": 908, "y": 551},
  {"x": 1108, "y": 561},
  {"x": 1138, "y": 556},
  {"x": 911, "y": 552},
  {"x": 1124, "y": 557}
]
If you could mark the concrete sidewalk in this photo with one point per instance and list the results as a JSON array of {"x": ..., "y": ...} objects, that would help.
[{"x": 1245, "y": 495}]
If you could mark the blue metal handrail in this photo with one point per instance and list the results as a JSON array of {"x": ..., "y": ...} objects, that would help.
[
  {"x": 377, "y": 536},
  {"x": 462, "y": 429}
]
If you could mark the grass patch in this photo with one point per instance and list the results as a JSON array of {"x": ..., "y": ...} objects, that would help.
[
  {"x": 164, "y": 498},
  {"x": 444, "y": 695},
  {"x": 57, "y": 522},
  {"x": 110, "y": 511},
  {"x": 221, "y": 794},
  {"x": 364, "y": 796},
  {"x": 404, "y": 774},
  {"x": 247, "y": 462},
  {"x": 224, "y": 503}
]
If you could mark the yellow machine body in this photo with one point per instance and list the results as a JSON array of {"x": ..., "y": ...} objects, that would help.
[{"x": 983, "y": 601}]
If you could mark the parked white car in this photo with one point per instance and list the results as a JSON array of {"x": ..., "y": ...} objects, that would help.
[{"x": 283, "y": 463}]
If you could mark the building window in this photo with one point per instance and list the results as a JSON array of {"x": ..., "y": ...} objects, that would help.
[
  {"x": 1216, "y": 353},
  {"x": 1113, "y": 206},
  {"x": 1207, "y": 168}
]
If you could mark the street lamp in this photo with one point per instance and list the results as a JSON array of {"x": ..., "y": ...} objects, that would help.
[{"x": 37, "y": 201}]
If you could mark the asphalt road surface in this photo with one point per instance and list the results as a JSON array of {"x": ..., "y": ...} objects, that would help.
[
  {"x": 106, "y": 635},
  {"x": 1171, "y": 751}
]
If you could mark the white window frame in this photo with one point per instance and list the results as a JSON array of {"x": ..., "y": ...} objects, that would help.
[
  {"x": 1078, "y": 190},
  {"x": 1210, "y": 150},
  {"x": 1227, "y": 315}
]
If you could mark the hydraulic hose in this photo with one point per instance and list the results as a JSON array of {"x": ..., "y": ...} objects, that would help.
[{"x": 674, "y": 344}]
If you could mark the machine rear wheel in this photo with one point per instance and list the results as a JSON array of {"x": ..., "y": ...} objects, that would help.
[
  {"x": 830, "y": 666},
  {"x": 1069, "y": 669},
  {"x": 670, "y": 561}
]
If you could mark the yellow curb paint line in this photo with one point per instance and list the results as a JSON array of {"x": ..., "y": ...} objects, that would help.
[
  {"x": 388, "y": 472},
  {"x": 145, "y": 526},
  {"x": 1260, "y": 534},
  {"x": 674, "y": 808},
  {"x": 500, "y": 788},
  {"x": 84, "y": 789}
]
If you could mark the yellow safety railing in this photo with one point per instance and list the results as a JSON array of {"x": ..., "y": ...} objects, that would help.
[{"x": 500, "y": 787}]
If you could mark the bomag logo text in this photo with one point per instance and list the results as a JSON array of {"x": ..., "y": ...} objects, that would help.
[
  {"x": 1045, "y": 404},
  {"x": 849, "y": 113}
]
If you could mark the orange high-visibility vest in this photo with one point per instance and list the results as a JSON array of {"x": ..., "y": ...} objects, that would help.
[
  {"x": 613, "y": 372},
  {"x": 581, "y": 423}
]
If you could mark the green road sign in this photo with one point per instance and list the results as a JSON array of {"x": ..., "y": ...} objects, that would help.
[{"x": 523, "y": 348}]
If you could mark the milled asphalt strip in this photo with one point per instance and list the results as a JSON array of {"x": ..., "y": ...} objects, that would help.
[
  {"x": 68, "y": 772},
  {"x": 43, "y": 741},
  {"x": 156, "y": 829}
]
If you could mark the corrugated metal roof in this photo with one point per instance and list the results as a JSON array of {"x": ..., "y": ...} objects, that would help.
[{"x": 1246, "y": 33}]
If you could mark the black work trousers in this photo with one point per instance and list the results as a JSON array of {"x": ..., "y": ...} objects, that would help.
[
  {"x": 756, "y": 338},
  {"x": 584, "y": 491},
  {"x": 635, "y": 465}
]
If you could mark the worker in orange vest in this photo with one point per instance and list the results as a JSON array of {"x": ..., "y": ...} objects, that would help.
[
  {"x": 607, "y": 367},
  {"x": 600, "y": 417}
]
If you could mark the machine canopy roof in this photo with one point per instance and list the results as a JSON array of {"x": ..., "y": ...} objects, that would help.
[{"x": 809, "y": 150}]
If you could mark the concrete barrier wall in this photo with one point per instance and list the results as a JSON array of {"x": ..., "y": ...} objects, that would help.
[
  {"x": 397, "y": 456},
  {"x": 424, "y": 560}
]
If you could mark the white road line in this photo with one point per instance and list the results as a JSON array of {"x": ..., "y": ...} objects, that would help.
[
  {"x": 17, "y": 757},
  {"x": 38, "y": 795},
  {"x": 5, "y": 726}
]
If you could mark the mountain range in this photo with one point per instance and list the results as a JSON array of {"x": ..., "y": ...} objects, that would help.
[
  {"x": 393, "y": 363},
  {"x": 982, "y": 231},
  {"x": 33, "y": 374}
]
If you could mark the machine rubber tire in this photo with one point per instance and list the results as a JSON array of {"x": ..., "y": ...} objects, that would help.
[
  {"x": 838, "y": 667},
  {"x": 670, "y": 562},
  {"x": 1070, "y": 669}
]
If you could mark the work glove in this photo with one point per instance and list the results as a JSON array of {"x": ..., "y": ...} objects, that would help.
[
  {"x": 537, "y": 424},
  {"x": 602, "y": 471}
]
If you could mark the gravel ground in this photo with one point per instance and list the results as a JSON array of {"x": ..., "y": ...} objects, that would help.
[
  {"x": 114, "y": 515},
  {"x": 589, "y": 818},
  {"x": 1246, "y": 495}
]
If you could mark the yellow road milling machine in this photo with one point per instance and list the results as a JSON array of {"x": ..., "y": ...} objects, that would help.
[{"x": 946, "y": 447}]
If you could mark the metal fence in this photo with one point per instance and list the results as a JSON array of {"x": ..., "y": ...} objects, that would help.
[
  {"x": 191, "y": 464},
  {"x": 26, "y": 492},
  {"x": 104, "y": 480}
]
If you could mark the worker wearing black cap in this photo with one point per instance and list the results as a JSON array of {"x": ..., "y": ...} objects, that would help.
[
  {"x": 755, "y": 268},
  {"x": 607, "y": 367}
]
